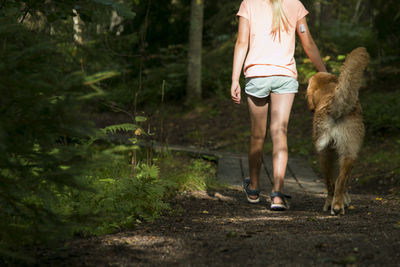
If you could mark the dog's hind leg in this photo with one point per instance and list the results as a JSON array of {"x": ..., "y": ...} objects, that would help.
[
  {"x": 346, "y": 165},
  {"x": 346, "y": 195},
  {"x": 327, "y": 158}
]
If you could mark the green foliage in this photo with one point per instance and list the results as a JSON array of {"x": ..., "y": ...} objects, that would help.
[
  {"x": 40, "y": 122},
  {"x": 171, "y": 69},
  {"x": 380, "y": 111},
  {"x": 117, "y": 200},
  {"x": 60, "y": 10},
  {"x": 385, "y": 160},
  {"x": 43, "y": 136},
  {"x": 306, "y": 69},
  {"x": 219, "y": 58},
  {"x": 197, "y": 175},
  {"x": 387, "y": 27},
  {"x": 341, "y": 37}
]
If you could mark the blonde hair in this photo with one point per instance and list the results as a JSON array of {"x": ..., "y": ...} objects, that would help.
[{"x": 279, "y": 19}]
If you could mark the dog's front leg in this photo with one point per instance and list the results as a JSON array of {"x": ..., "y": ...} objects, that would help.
[
  {"x": 346, "y": 195},
  {"x": 337, "y": 207},
  {"x": 347, "y": 198}
]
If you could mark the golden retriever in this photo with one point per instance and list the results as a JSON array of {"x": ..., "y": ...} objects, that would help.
[{"x": 338, "y": 128}]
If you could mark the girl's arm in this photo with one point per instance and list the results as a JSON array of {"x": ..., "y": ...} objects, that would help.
[
  {"x": 309, "y": 46},
  {"x": 242, "y": 44}
]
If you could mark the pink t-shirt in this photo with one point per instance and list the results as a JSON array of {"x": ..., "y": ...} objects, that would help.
[{"x": 268, "y": 56}]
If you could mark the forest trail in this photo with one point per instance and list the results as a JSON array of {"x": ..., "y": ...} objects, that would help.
[
  {"x": 219, "y": 228},
  {"x": 233, "y": 168}
]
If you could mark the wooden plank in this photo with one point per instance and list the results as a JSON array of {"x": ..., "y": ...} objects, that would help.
[
  {"x": 123, "y": 138},
  {"x": 233, "y": 167},
  {"x": 229, "y": 170},
  {"x": 290, "y": 184},
  {"x": 267, "y": 165},
  {"x": 306, "y": 176},
  {"x": 265, "y": 183}
]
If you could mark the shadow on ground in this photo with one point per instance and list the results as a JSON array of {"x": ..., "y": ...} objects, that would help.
[{"x": 219, "y": 228}]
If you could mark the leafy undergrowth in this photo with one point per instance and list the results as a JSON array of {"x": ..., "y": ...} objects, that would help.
[
  {"x": 114, "y": 200},
  {"x": 188, "y": 174},
  {"x": 378, "y": 166},
  {"x": 120, "y": 201}
]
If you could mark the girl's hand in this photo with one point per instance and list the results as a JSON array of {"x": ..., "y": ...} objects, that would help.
[{"x": 235, "y": 92}]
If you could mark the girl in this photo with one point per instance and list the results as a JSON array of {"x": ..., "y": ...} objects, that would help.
[{"x": 267, "y": 31}]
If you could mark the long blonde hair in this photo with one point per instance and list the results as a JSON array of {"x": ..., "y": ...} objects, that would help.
[{"x": 279, "y": 19}]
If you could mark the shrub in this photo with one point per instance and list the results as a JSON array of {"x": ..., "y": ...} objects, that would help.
[
  {"x": 42, "y": 129},
  {"x": 380, "y": 111}
]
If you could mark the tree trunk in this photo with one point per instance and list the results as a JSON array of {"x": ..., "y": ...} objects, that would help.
[
  {"x": 193, "y": 89},
  {"x": 317, "y": 9},
  {"x": 78, "y": 26},
  {"x": 116, "y": 23},
  {"x": 357, "y": 12}
]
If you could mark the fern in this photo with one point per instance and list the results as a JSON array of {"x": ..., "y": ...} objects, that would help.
[{"x": 125, "y": 127}]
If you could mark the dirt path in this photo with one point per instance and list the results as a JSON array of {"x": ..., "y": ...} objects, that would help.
[{"x": 221, "y": 229}]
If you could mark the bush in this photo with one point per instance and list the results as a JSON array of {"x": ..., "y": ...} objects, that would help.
[
  {"x": 380, "y": 111},
  {"x": 42, "y": 135},
  {"x": 117, "y": 200},
  {"x": 197, "y": 175}
]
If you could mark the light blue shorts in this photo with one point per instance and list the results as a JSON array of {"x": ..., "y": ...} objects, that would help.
[{"x": 263, "y": 86}]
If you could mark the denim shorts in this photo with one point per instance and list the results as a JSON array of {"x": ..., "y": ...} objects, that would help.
[{"x": 263, "y": 86}]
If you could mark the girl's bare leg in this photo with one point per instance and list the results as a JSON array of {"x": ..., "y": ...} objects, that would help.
[
  {"x": 258, "y": 108},
  {"x": 281, "y": 105}
]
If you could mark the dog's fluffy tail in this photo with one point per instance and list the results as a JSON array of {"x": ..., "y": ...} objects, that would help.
[{"x": 350, "y": 80}]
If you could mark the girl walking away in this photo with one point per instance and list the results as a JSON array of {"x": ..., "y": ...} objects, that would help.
[{"x": 266, "y": 39}]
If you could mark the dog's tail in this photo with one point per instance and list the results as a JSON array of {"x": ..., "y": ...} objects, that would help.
[{"x": 350, "y": 80}]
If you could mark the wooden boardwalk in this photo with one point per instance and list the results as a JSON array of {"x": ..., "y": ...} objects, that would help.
[{"x": 232, "y": 169}]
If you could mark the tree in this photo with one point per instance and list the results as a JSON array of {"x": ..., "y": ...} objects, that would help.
[
  {"x": 78, "y": 27},
  {"x": 193, "y": 88}
]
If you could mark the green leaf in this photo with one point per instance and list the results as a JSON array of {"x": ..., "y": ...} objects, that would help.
[
  {"x": 122, "y": 148},
  {"x": 98, "y": 92},
  {"x": 120, "y": 127},
  {"x": 108, "y": 180},
  {"x": 95, "y": 78},
  {"x": 140, "y": 119}
]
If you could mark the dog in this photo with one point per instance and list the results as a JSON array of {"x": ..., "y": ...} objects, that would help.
[{"x": 338, "y": 128}]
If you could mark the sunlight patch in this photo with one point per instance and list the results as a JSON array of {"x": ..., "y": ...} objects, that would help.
[
  {"x": 138, "y": 240},
  {"x": 259, "y": 218}
]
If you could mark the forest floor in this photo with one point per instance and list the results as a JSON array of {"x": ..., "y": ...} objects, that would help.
[{"x": 219, "y": 228}]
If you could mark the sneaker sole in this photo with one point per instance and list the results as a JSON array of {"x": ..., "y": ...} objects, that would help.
[
  {"x": 250, "y": 200},
  {"x": 278, "y": 207}
]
